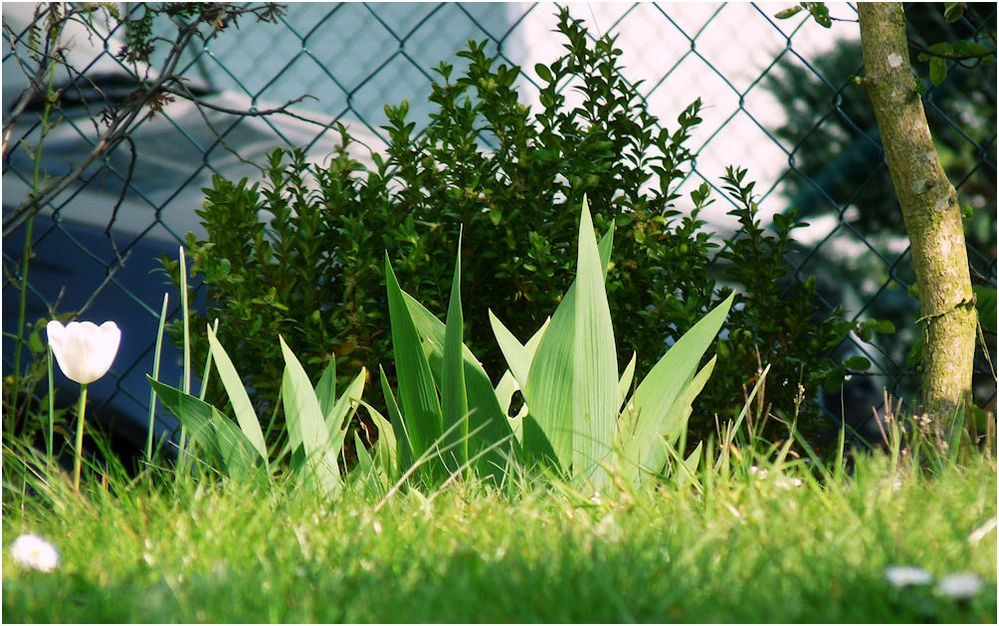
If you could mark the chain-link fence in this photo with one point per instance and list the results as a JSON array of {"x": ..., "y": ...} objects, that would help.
[{"x": 781, "y": 98}]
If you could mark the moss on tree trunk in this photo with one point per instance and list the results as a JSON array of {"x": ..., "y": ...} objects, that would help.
[{"x": 930, "y": 209}]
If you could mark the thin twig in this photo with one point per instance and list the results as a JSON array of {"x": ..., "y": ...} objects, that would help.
[
  {"x": 283, "y": 109},
  {"x": 108, "y": 141},
  {"x": 104, "y": 283},
  {"x": 121, "y": 198}
]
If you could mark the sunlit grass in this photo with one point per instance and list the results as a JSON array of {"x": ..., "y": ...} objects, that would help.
[{"x": 745, "y": 548}]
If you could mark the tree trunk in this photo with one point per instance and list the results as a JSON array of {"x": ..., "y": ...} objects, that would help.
[{"x": 929, "y": 207}]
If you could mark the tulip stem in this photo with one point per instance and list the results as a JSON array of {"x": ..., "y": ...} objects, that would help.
[
  {"x": 156, "y": 377},
  {"x": 78, "y": 461},
  {"x": 186, "y": 315},
  {"x": 51, "y": 433}
]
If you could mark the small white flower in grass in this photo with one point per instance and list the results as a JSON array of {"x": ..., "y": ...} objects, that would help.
[
  {"x": 959, "y": 586},
  {"x": 595, "y": 498},
  {"x": 33, "y": 552},
  {"x": 784, "y": 482},
  {"x": 781, "y": 482},
  {"x": 84, "y": 350},
  {"x": 892, "y": 484},
  {"x": 907, "y": 576}
]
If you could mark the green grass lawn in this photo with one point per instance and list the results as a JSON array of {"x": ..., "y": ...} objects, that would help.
[{"x": 744, "y": 550}]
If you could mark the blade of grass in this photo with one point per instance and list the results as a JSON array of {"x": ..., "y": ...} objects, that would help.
[
  {"x": 760, "y": 383},
  {"x": 186, "y": 317}
]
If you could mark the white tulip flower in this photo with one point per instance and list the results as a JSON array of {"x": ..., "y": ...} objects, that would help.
[
  {"x": 959, "y": 586},
  {"x": 907, "y": 576},
  {"x": 33, "y": 552},
  {"x": 84, "y": 350}
]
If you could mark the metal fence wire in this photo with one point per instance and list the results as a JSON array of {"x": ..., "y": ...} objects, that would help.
[{"x": 781, "y": 99}]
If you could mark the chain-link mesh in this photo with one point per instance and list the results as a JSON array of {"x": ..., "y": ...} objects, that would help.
[{"x": 781, "y": 99}]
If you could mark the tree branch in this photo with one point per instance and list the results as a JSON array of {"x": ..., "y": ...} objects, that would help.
[
  {"x": 107, "y": 142},
  {"x": 930, "y": 211}
]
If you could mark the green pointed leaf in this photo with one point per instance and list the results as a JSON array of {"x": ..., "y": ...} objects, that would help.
[
  {"x": 508, "y": 385},
  {"x": 857, "y": 363},
  {"x": 532, "y": 344},
  {"x": 548, "y": 427},
  {"x": 518, "y": 357},
  {"x": 404, "y": 444},
  {"x": 326, "y": 390},
  {"x": 364, "y": 461},
  {"x": 651, "y": 454},
  {"x": 211, "y": 430},
  {"x": 661, "y": 405},
  {"x": 343, "y": 409},
  {"x": 386, "y": 452},
  {"x": 624, "y": 385},
  {"x": 302, "y": 413},
  {"x": 336, "y": 452},
  {"x": 549, "y": 390},
  {"x": 454, "y": 400},
  {"x": 194, "y": 414},
  {"x": 246, "y": 417},
  {"x": 605, "y": 246},
  {"x": 595, "y": 397},
  {"x": 420, "y": 405},
  {"x": 656, "y": 394},
  {"x": 688, "y": 470},
  {"x": 487, "y": 421},
  {"x": 954, "y": 11},
  {"x": 515, "y": 354},
  {"x": 543, "y": 72}
]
